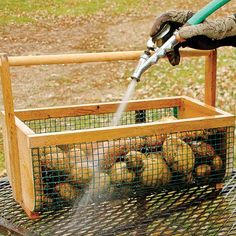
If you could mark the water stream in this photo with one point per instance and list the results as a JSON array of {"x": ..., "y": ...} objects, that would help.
[
  {"x": 99, "y": 187},
  {"x": 96, "y": 191},
  {"x": 122, "y": 107}
]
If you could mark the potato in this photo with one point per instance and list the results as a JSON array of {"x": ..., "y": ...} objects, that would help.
[
  {"x": 134, "y": 144},
  {"x": 81, "y": 173},
  {"x": 100, "y": 182},
  {"x": 217, "y": 163},
  {"x": 47, "y": 200},
  {"x": 66, "y": 191},
  {"x": 156, "y": 155},
  {"x": 63, "y": 161},
  {"x": 156, "y": 140},
  {"x": 135, "y": 159},
  {"x": 155, "y": 171},
  {"x": 46, "y": 150},
  {"x": 202, "y": 149},
  {"x": 78, "y": 149},
  {"x": 120, "y": 174},
  {"x": 203, "y": 170},
  {"x": 64, "y": 147},
  {"x": 74, "y": 156},
  {"x": 78, "y": 153},
  {"x": 43, "y": 200},
  {"x": 193, "y": 134},
  {"x": 108, "y": 152},
  {"x": 87, "y": 148},
  {"x": 56, "y": 161},
  {"x": 68, "y": 147},
  {"x": 178, "y": 154},
  {"x": 105, "y": 155}
]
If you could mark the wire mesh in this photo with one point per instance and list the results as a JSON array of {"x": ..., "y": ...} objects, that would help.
[
  {"x": 199, "y": 210},
  {"x": 99, "y": 120},
  {"x": 126, "y": 167}
]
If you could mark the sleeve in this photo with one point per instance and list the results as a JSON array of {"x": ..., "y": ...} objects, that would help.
[{"x": 216, "y": 30}]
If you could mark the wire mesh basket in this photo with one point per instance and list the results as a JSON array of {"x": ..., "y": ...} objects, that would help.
[
  {"x": 161, "y": 144},
  {"x": 56, "y": 156}
]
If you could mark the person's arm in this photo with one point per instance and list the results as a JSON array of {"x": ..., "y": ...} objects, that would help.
[
  {"x": 215, "y": 30},
  {"x": 207, "y": 35}
]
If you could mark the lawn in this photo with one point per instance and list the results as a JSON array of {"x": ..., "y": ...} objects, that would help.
[{"x": 29, "y": 11}]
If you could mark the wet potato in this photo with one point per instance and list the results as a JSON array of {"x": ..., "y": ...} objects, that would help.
[
  {"x": 119, "y": 173},
  {"x": 155, "y": 171},
  {"x": 101, "y": 182},
  {"x": 81, "y": 173},
  {"x": 56, "y": 161},
  {"x": 66, "y": 191},
  {"x": 62, "y": 160},
  {"x": 108, "y": 153},
  {"x": 203, "y": 171},
  {"x": 135, "y": 159},
  {"x": 217, "y": 163},
  {"x": 178, "y": 154},
  {"x": 203, "y": 149}
]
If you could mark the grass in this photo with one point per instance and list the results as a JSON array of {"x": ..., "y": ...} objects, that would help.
[
  {"x": 27, "y": 11},
  {"x": 23, "y": 11},
  {"x": 165, "y": 76}
]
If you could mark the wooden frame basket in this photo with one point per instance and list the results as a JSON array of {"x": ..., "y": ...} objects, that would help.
[{"x": 20, "y": 139}]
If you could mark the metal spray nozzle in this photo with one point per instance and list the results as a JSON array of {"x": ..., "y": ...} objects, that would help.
[{"x": 147, "y": 59}]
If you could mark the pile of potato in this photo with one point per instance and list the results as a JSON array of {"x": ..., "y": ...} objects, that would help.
[{"x": 152, "y": 162}]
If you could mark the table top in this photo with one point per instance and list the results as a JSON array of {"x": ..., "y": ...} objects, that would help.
[{"x": 199, "y": 210}]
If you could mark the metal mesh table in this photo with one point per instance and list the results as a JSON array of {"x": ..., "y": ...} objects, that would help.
[{"x": 196, "y": 211}]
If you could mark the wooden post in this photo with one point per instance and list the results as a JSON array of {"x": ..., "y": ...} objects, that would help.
[
  {"x": 13, "y": 152},
  {"x": 210, "y": 78}
]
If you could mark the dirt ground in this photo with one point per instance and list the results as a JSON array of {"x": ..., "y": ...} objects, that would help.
[
  {"x": 41, "y": 86},
  {"x": 72, "y": 84}
]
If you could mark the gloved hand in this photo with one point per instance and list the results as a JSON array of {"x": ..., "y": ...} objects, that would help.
[{"x": 205, "y": 36}]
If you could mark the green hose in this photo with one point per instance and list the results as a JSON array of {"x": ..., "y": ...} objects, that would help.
[{"x": 201, "y": 15}]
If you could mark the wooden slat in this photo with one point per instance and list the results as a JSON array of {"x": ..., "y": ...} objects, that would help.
[
  {"x": 89, "y": 57},
  {"x": 23, "y": 127},
  {"x": 28, "y": 193},
  {"x": 210, "y": 78},
  {"x": 27, "y": 190},
  {"x": 204, "y": 108},
  {"x": 194, "y": 108},
  {"x": 109, "y": 133},
  {"x": 26, "y": 162},
  {"x": 10, "y": 129},
  {"x": 99, "y": 108}
]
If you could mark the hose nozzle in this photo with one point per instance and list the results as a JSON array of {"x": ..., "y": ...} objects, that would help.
[
  {"x": 147, "y": 60},
  {"x": 140, "y": 68}
]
